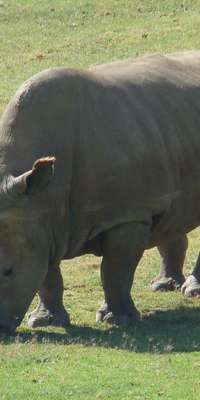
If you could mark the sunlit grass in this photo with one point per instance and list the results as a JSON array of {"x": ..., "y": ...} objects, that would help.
[{"x": 159, "y": 357}]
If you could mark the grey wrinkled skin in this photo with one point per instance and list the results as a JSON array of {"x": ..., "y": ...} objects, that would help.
[{"x": 104, "y": 161}]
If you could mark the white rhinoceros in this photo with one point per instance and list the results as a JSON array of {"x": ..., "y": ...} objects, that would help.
[{"x": 126, "y": 139}]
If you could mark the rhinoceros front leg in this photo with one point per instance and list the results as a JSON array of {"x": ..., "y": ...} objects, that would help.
[
  {"x": 122, "y": 248},
  {"x": 50, "y": 310},
  {"x": 191, "y": 287},
  {"x": 171, "y": 271}
]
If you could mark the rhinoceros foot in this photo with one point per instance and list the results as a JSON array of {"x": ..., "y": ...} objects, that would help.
[
  {"x": 165, "y": 284},
  {"x": 191, "y": 287},
  {"x": 43, "y": 317},
  {"x": 115, "y": 318}
]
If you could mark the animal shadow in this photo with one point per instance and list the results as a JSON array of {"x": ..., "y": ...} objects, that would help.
[{"x": 159, "y": 332}]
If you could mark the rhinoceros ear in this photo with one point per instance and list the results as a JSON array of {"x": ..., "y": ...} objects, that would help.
[
  {"x": 40, "y": 175},
  {"x": 35, "y": 180}
]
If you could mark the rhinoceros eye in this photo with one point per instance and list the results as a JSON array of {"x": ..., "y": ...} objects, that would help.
[{"x": 8, "y": 272}]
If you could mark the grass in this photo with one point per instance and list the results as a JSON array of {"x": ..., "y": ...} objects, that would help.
[
  {"x": 158, "y": 358},
  {"x": 36, "y": 34}
]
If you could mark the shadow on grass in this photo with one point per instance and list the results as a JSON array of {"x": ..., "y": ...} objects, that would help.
[{"x": 160, "y": 332}]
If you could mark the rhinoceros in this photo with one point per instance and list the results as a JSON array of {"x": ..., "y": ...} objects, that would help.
[{"x": 125, "y": 142}]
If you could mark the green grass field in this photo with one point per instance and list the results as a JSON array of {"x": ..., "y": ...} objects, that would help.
[{"x": 158, "y": 358}]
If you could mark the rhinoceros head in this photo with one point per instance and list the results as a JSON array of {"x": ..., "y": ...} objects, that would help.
[{"x": 24, "y": 253}]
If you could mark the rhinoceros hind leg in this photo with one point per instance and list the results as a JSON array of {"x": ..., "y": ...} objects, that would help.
[
  {"x": 50, "y": 310},
  {"x": 171, "y": 271},
  {"x": 122, "y": 248},
  {"x": 191, "y": 286}
]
